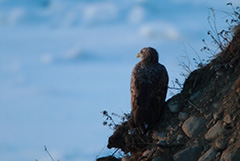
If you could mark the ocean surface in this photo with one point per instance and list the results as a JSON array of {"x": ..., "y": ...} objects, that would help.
[{"x": 62, "y": 62}]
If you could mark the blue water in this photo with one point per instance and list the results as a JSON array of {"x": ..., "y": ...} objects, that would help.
[{"x": 63, "y": 62}]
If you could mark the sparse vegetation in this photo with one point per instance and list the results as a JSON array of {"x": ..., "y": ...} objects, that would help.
[
  {"x": 48, "y": 153},
  {"x": 219, "y": 41},
  {"x": 109, "y": 119}
]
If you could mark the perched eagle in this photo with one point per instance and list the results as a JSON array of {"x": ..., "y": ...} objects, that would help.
[{"x": 149, "y": 82}]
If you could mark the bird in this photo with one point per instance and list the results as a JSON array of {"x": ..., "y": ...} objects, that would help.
[{"x": 149, "y": 83}]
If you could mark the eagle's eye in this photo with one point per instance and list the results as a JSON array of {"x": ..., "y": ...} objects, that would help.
[{"x": 143, "y": 51}]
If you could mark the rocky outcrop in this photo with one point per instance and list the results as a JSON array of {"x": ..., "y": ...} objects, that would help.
[{"x": 202, "y": 122}]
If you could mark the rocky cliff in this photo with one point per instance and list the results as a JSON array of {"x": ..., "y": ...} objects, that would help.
[{"x": 201, "y": 123}]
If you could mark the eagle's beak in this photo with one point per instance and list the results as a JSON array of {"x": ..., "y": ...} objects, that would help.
[{"x": 138, "y": 55}]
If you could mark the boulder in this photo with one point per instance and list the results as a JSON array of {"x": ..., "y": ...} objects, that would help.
[
  {"x": 193, "y": 126},
  {"x": 209, "y": 155},
  {"x": 214, "y": 131}
]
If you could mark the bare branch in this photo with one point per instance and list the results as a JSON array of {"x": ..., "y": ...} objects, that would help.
[{"x": 45, "y": 148}]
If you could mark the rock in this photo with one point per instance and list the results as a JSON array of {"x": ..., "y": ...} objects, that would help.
[
  {"x": 227, "y": 119},
  {"x": 188, "y": 154},
  {"x": 182, "y": 116},
  {"x": 221, "y": 142},
  {"x": 231, "y": 141},
  {"x": 161, "y": 136},
  {"x": 214, "y": 131},
  {"x": 131, "y": 131},
  {"x": 194, "y": 95},
  {"x": 173, "y": 107},
  {"x": 209, "y": 155},
  {"x": 173, "y": 130},
  {"x": 126, "y": 158},
  {"x": 193, "y": 126},
  {"x": 146, "y": 153},
  {"x": 155, "y": 135},
  {"x": 232, "y": 153}
]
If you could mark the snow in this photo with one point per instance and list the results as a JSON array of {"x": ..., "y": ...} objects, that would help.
[{"x": 63, "y": 62}]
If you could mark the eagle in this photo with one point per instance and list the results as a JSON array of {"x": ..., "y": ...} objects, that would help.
[{"x": 149, "y": 83}]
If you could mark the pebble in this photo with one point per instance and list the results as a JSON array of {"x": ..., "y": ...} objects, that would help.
[
  {"x": 161, "y": 136},
  {"x": 194, "y": 95},
  {"x": 227, "y": 119},
  {"x": 209, "y": 155},
  {"x": 188, "y": 154},
  {"x": 214, "y": 131},
  {"x": 232, "y": 140},
  {"x": 173, "y": 107},
  {"x": 182, "y": 116},
  {"x": 146, "y": 153},
  {"x": 193, "y": 126},
  {"x": 155, "y": 135}
]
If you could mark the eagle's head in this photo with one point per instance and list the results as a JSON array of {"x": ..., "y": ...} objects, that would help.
[{"x": 148, "y": 54}]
